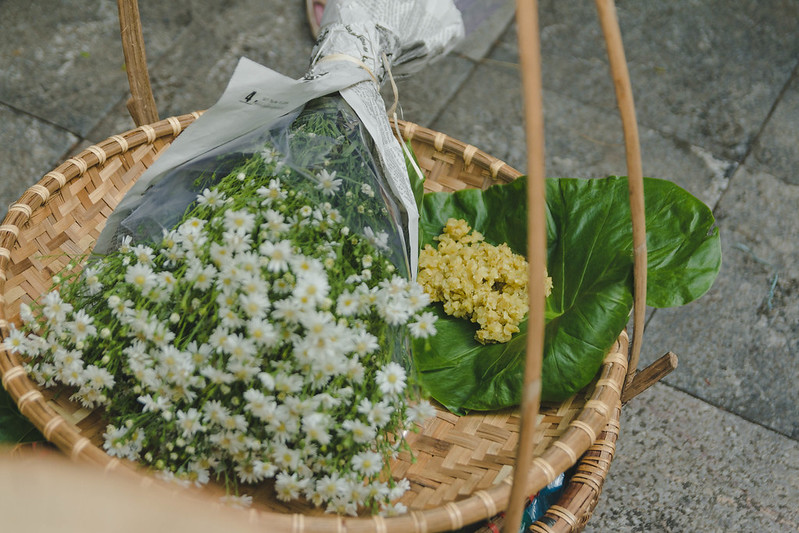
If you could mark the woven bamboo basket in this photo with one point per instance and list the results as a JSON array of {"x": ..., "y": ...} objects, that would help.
[{"x": 464, "y": 465}]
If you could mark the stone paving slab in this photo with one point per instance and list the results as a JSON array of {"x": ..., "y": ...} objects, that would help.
[
  {"x": 776, "y": 150},
  {"x": 683, "y": 465},
  {"x": 194, "y": 71},
  {"x": 739, "y": 343},
  {"x": 733, "y": 356},
  {"x": 28, "y": 149},
  {"x": 705, "y": 71},
  {"x": 63, "y": 62},
  {"x": 199, "y": 63},
  {"x": 581, "y": 140}
]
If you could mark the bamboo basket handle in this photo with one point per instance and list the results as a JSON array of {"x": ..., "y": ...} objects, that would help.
[
  {"x": 609, "y": 21},
  {"x": 530, "y": 63},
  {"x": 141, "y": 105}
]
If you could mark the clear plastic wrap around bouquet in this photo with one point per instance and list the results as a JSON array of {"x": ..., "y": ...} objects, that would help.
[{"x": 248, "y": 317}]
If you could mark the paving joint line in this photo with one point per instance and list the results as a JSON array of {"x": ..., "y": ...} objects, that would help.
[
  {"x": 40, "y": 118},
  {"x": 475, "y": 63},
  {"x": 756, "y": 138},
  {"x": 728, "y": 411}
]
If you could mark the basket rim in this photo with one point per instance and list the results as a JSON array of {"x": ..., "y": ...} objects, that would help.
[{"x": 560, "y": 455}]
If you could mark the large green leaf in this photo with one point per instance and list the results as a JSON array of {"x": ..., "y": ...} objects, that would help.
[{"x": 590, "y": 260}]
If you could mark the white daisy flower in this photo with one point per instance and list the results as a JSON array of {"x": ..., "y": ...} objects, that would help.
[
  {"x": 347, "y": 304},
  {"x": 288, "y": 487},
  {"x": 368, "y": 463},
  {"x": 259, "y": 404},
  {"x": 26, "y": 313},
  {"x": 125, "y": 244},
  {"x": 114, "y": 442},
  {"x": 328, "y": 183},
  {"x": 284, "y": 426},
  {"x": 395, "y": 312},
  {"x": 242, "y": 371},
  {"x": 119, "y": 307},
  {"x": 72, "y": 373},
  {"x": 342, "y": 506},
  {"x": 286, "y": 310},
  {"x": 311, "y": 289},
  {"x": 332, "y": 486},
  {"x": 216, "y": 375},
  {"x": 239, "y": 221},
  {"x": 421, "y": 412},
  {"x": 55, "y": 309},
  {"x": 98, "y": 378},
  {"x": 16, "y": 341},
  {"x": 215, "y": 413},
  {"x": 254, "y": 304},
  {"x": 380, "y": 414},
  {"x": 249, "y": 263},
  {"x": 416, "y": 297},
  {"x": 272, "y": 193},
  {"x": 424, "y": 326},
  {"x": 274, "y": 223},
  {"x": 199, "y": 353},
  {"x": 189, "y": 422},
  {"x": 229, "y": 318},
  {"x": 144, "y": 254},
  {"x": 302, "y": 265},
  {"x": 265, "y": 469},
  {"x": 211, "y": 198},
  {"x": 91, "y": 276},
  {"x": 285, "y": 457},
  {"x": 288, "y": 383},
  {"x": 198, "y": 473},
  {"x": 355, "y": 371},
  {"x": 262, "y": 332},
  {"x": 221, "y": 253},
  {"x": 167, "y": 281},
  {"x": 365, "y": 343},
  {"x": 379, "y": 240},
  {"x": 393, "y": 509},
  {"x": 237, "y": 242},
  {"x": 279, "y": 255},
  {"x": 150, "y": 405},
  {"x": 361, "y": 432},
  {"x": 141, "y": 276},
  {"x": 391, "y": 379},
  {"x": 316, "y": 426},
  {"x": 191, "y": 227}
]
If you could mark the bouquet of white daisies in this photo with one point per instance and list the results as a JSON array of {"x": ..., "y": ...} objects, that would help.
[
  {"x": 264, "y": 337},
  {"x": 245, "y": 317}
]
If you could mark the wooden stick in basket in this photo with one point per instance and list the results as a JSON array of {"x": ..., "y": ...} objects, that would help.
[
  {"x": 141, "y": 104},
  {"x": 530, "y": 61}
]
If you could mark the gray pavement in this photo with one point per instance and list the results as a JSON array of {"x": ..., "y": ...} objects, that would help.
[{"x": 715, "y": 447}]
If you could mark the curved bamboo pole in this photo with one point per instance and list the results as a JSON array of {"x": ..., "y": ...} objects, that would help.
[
  {"x": 530, "y": 62},
  {"x": 624, "y": 96}
]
